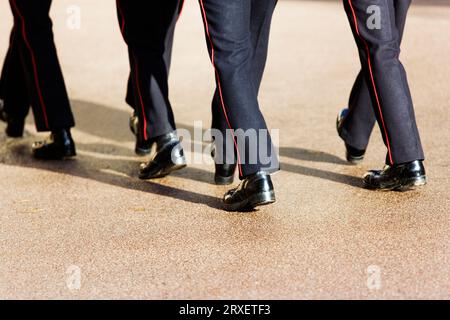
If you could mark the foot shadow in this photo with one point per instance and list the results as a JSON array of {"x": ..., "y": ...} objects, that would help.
[
  {"x": 321, "y": 157},
  {"x": 112, "y": 123},
  {"x": 323, "y": 174},
  {"x": 311, "y": 155},
  {"x": 115, "y": 172},
  {"x": 102, "y": 121}
]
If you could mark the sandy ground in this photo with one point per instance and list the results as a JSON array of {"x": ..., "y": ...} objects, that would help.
[{"x": 326, "y": 237}]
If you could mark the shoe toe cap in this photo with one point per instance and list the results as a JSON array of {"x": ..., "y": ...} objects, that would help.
[
  {"x": 371, "y": 179},
  {"x": 38, "y": 145},
  {"x": 228, "y": 198}
]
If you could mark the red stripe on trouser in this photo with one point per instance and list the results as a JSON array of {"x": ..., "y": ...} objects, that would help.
[
  {"x": 136, "y": 72},
  {"x": 141, "y": 100},
  {"x": 220, "y": 86},
  {"x": 373, "y": 81},
  {"x": 33, "y": 62}
]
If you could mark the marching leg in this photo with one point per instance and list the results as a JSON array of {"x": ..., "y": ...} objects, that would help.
[
  {"x": 149, "y": 36},
  {"x": 14, "y": 95},
  {"x": 261, "y": 18},
  {"x": 229, "y": 42},
  {"x": 44, "y": 79},
  {"x": 386, "y": 79},
  {"x": 356, "y": 123}
]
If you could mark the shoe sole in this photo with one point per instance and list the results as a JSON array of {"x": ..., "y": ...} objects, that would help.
[
  {"x": 223, "y": 181},
  {"x": 412, "y": 184},
  {"x": 142, "y": 152},
  {"x": 354, "y": 160},
  {"x": 163, "y": 172},
  {"x": 406, "y": 185},
  {"x": 258, "y": 200}
]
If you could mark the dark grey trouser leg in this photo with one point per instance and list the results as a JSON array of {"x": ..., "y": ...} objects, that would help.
[
  {"x": 34, "y": 46},
  {"x": 229, "y": 38},
  {"x": 149, "y": 36},
  {"x": 361, "y": 119},
  {"x": 13, "y": 84},
  {"x": 384, "y": 78}
]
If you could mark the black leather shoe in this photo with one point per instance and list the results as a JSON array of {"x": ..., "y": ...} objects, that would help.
[
  {"x": 167, "y": 157},
  {"x": 255, "y": 190},
  {"x": 143, "y": 147},
  {"x": 224, "y": 174},
  {"x": 353, "y": 155},
  {"x": 401, "y": 177},
  {"x": 58, "y": 146},
  {"x": 15, "y": 127}
]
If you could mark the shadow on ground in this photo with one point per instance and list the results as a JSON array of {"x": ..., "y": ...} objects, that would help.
[{"x": 105, "y": 162}]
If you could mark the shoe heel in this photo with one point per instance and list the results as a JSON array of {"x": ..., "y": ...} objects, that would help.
[
  {"x": 177, "y": 155},
  {"x": 223, "y": 181},
  {"x": 142, "y": 152},
  {"x": 262, "y": 199},
  {"x": 354, "y": 160},
  {"x": 413, "y": 184},
  {"x": 179, "y": 160},
  {"x": 177, "y": 164},
  {"x": 70, "y": 153}
]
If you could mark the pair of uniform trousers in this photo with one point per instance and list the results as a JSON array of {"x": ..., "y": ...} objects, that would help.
[
  {"x": 237, "y": 34},
  {"x": 381, "y": 92},
  {"x": 31, "y": 73},
  {"x": 148, "y": 29}
]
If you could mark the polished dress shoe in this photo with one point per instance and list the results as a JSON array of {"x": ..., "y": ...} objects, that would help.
[
  {"x": 167, "y": 157},
  {"x": 143, "y": 147},
  {"x": 224, "y": 173},
  {"x": 400, "y": 177},
  {"x": 255, "y": 190},
  {"x": 15, "y": 127},
  {"x": 58, "y": 146},
  {"x": 353, "y": 155}
]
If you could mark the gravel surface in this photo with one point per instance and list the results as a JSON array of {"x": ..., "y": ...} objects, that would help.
[{"x": 326, "y": 237}]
